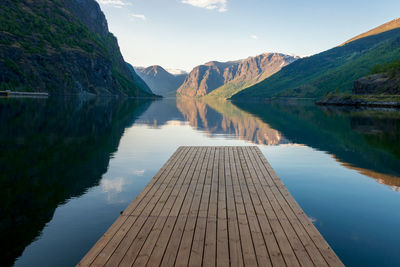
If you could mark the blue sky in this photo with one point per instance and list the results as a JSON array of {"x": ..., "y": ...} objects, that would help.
[{"x": 185, "y": 33}]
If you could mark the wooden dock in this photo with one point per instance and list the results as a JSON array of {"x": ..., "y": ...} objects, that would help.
[
  {"x": 23, "y": 94},
  {"x": 211, "y": 206}
]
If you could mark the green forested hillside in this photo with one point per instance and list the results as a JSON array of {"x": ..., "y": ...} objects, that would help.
[
  {"x": 392, "y": 68},
  {"x": 61, "y": 47},
  {"x": 334, "y": 70}
]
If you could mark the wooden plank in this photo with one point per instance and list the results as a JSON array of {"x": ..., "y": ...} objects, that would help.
[
  {"x": 222, "y": 220},
  {"x": 211, "y": 206},
  {"x": 260, "y": 247},
  {"x": 151, "y": 204},
  {"x": 277, "y": 229},
  {"x": 183, "y": 254},
  {"x": 182, "y": 235},
  {"x": 162, "y": 229},
  {"x": 196, "y": 253},
  {"x": 176, "y": 219},
  {"x": 294, "y": 241},
  {"x": 249, "y": 255},
  {"x": 210, "y": 245},
  {"x": 158, "y": 213},
  {"x": 307, "y": 243},
  {"x": 235, "y": 248},
  {"x": 157, "y": 180},
  {"x": 328, "y": 254},
  {"x": 268, "y": 234},
  {"x": 147, "y": 191}
]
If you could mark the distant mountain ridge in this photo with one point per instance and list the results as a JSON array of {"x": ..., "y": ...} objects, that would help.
[
  {"x": 334, "y": 70},
  {"x": 223, "y": 79},
  {"x": 393, "y": 24},
  {"x": 62, "y": 47},
  {"x": 161, "y": 81}
]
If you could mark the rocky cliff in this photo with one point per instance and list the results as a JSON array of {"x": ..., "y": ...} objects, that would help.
[
  {"x": 381, "y": 83},
  {"x": 379, "y": 89},
  {"x": 223, "y": 79},
  {"x": 61, "y": 47},
  {"x": 161, "y": 81},
  {"x": 384, "y": 79}
]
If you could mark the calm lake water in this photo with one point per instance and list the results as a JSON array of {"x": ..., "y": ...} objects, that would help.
[{"x": 69, "y": 166}]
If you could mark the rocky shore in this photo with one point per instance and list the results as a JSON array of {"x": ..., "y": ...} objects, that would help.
[
  {"x": 361, "y": 100},
  {"x": 376, "y": 90}
]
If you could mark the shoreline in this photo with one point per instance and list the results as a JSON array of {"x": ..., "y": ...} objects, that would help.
[
  {"x": 46, "y": 95},
  {"x": 29, "y": 94},
  {"x": 360, "y": 101}
]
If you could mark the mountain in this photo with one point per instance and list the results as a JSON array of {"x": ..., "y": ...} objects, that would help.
[
  {"x": 223, "y": 79},
  {"x": 333, "y": 70},
  {"x": 139, "y": 81},
  {"x": 61, "y": 47},
  {"x": 384, "y": 80},
  {"x": 393, "y": 24},
  {"x": 161, "y": 81}
]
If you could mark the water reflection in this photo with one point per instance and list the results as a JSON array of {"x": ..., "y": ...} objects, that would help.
[
  {"x": 57, "y": 149},
  {"x": 214, "y": 117},
  {"x": 53, "y": 150},
  {"x": 221, "y": 117},
  {"x": 365, "y": 140}
]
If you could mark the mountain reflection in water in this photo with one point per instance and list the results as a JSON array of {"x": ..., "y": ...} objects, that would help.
[
  {"x": 53, "y": 150},
  {"x": 364, "y": 140},
  {"x": 367, "y": 140}
]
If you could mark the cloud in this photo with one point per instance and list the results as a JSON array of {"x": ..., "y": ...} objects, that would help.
[
  {"x": 139, "y": 16},
  {"x": 113, "y": 185},
  {"x": 114, "y": 3},
  {"x": 255, "y": 37},
  {"x": 138, "y": 172},
  {"x": 220, "y": 5},
  {"x": 176, "y": 71}
]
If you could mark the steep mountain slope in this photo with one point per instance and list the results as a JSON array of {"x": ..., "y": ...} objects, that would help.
[
  {"x": 138, "y": 80},
  {"x": 332, "y": 70},
  {"x": 61, "y": 47},
  {"x": 222, "y": 79},
  {"x": 161, "y": 81}
]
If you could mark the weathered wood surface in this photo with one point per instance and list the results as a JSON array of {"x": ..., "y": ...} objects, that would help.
[{"x": 213, "y": 206}]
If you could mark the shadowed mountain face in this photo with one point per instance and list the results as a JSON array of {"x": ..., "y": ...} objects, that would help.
[
  {"x": 223, "y": 79},
  {"x": 61, "y": 47},
  {"x": 139, "y": 79},
  {"x": 50, "y": 151},
  {"x": 161, "y": 81},
  {"x": 333, "y": 70}
]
